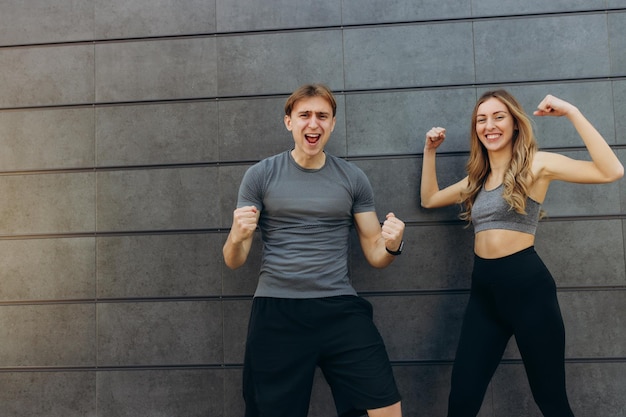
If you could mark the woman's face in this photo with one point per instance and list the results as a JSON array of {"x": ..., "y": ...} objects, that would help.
[{"x": 494, "y": 125}]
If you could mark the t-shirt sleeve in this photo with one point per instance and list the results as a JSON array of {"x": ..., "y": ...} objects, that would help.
[
  {"x": 363, "y": 194},
  {"x": 251, "y": 188}
]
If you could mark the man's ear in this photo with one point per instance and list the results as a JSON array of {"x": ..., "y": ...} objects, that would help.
[{"x": 287, "y": 121}]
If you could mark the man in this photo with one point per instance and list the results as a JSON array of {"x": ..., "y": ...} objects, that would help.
[{"x": 305, "y": 312}]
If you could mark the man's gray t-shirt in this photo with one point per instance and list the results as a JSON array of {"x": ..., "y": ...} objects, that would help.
[{"x": 305, "y": 221}]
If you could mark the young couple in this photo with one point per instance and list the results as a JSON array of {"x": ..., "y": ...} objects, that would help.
[{"x": 305, "y": 312}]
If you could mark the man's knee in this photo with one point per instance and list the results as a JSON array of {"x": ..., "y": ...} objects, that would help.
[{"x": 394, "y": 410}]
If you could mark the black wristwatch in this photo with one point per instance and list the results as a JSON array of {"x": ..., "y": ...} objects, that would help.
[{"x": 396, "y": 252}]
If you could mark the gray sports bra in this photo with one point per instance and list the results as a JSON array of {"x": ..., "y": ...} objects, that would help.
[{"x": 491, "y": 211}]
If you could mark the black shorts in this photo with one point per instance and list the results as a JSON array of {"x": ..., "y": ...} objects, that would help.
[{"x": 289, "y": 338}]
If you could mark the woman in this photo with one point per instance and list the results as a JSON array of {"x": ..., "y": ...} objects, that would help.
[{"x": 512, "y": 292}]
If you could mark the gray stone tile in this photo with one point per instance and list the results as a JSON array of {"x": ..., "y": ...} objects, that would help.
[
  {"x": 396, "y": 185},
  {"x": 617, "y": 22},
  {"x": 53, "y": 335},
  {"x": 424, "y": 389},
  {"x": 321, "y": 398},
  {"x": 42, "y": 76},
  {"x": 593, "y": 389},
  {"x": 243, "y": 281},
  {"x": 50, "y": 394},
  {"x": 389, "y": 57},
  {"x": 233, "y": 396},
  {"x": 555, "y": 132},
  {"x": 513, "y": 7},
  {"x": 47, "y": 139},
  {"x": 419, "y": 327},
  {"x": 160, "y": 333},
  {"x": 254, "y": 129},
  {"x": 583, "y": 253},
  {"x": 159, "y": 199},
  {"x": 594, "y": 316},
  {"x": 372, "y": 11},
  {"x": 236, "y": 317},
  {"x": 528, "y": 54},
  {"x": 47, "y": 269},
  {"x": 157, "y": 134},
  {"x": 619, "y": 109},
  {"x": 434, "y": 257},
  {"x": 141, "y": 18},
  {"x": 248, "y": 15},
  {"x": 41, "y": 22},
  {"x": 189, "y": 393},
  {"x": 597, "y": 388},
  {"x": 278, "y": 63},
  {"x": 156, "y": 69},
  {"x": 159, "y": 265},
  {"x": 229, "y": 181},
  {"x": 621, "y": 154},
  {"x": 397, "y": 122},
  {"x": 511, "y": 393},
  {"x": 568, "y": 199},
  {"x": 53, "y": 203}
]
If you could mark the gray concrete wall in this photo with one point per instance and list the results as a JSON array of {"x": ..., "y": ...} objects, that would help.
[{"x": 125, "y": 128}]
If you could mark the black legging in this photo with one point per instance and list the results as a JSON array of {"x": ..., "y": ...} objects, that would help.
[{"x": 514, "y": 295}]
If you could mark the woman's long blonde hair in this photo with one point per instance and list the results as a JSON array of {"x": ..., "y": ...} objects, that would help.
[{"x": 518, "y": 177}]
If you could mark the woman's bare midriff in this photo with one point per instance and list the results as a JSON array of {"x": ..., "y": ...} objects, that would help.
[{"x": 497, "y": 243}]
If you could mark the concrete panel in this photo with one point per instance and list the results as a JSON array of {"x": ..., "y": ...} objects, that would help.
[
  {"x": 243, "y": 281},
  {"x": 42, "y": 21},
  {"x": 617, "y": 22},
  {"x": 434, "y": 257},
  {"x": 157, "y": 134},
  {"x": 248, "y": 15},
  {"x": 47, "y": 269},
  {"x": 140, "y": 18},
  {"x": 236, "y": 317},
  {"x": 621, "y": 154},
  {"x": 159, "y": 265},
  {"x": 373, "y": 11},
  {"x": 153, "y": 70},
  {"x": 50, "y": 394},
  {"x": 189, "y": 393},
  {"x": 583, "y": 253},
  {"x": 591, "y": 98},
  {"x": 597, "y": 388},
  {"x": 619, "y": 109},
  {"x": 47, "y": 335},
  {"x": 518, "y": 49},
  {"x": 153, "y": 333},
  {"x": 514, "y": 7},
  {"x": 425, "y": 388},
  {"x": 397, "y": 122},
  {"x": 233, "y": 396},
  {"x": 229, "y": 180},
  {"x": 278, "y": 63},
  {"x": 419, "y": 327},
  {"x": 159, "y": 199},
  {"x": 47, "y": 139},
  {"x": 593, "y": 389},
  {"x": 51, "y": 203},
  {"x": 396, "y": 184},
  {"x": 568, "y": 199},
  {"x": 596, "y": 316},
  {"x": 41, "y": 76},
  {"x": 389, "y": 57},
  {"x": 254, "y": 129}
]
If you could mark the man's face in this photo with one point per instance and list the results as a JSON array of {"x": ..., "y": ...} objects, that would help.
[{"x": 311, "y": 122}]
